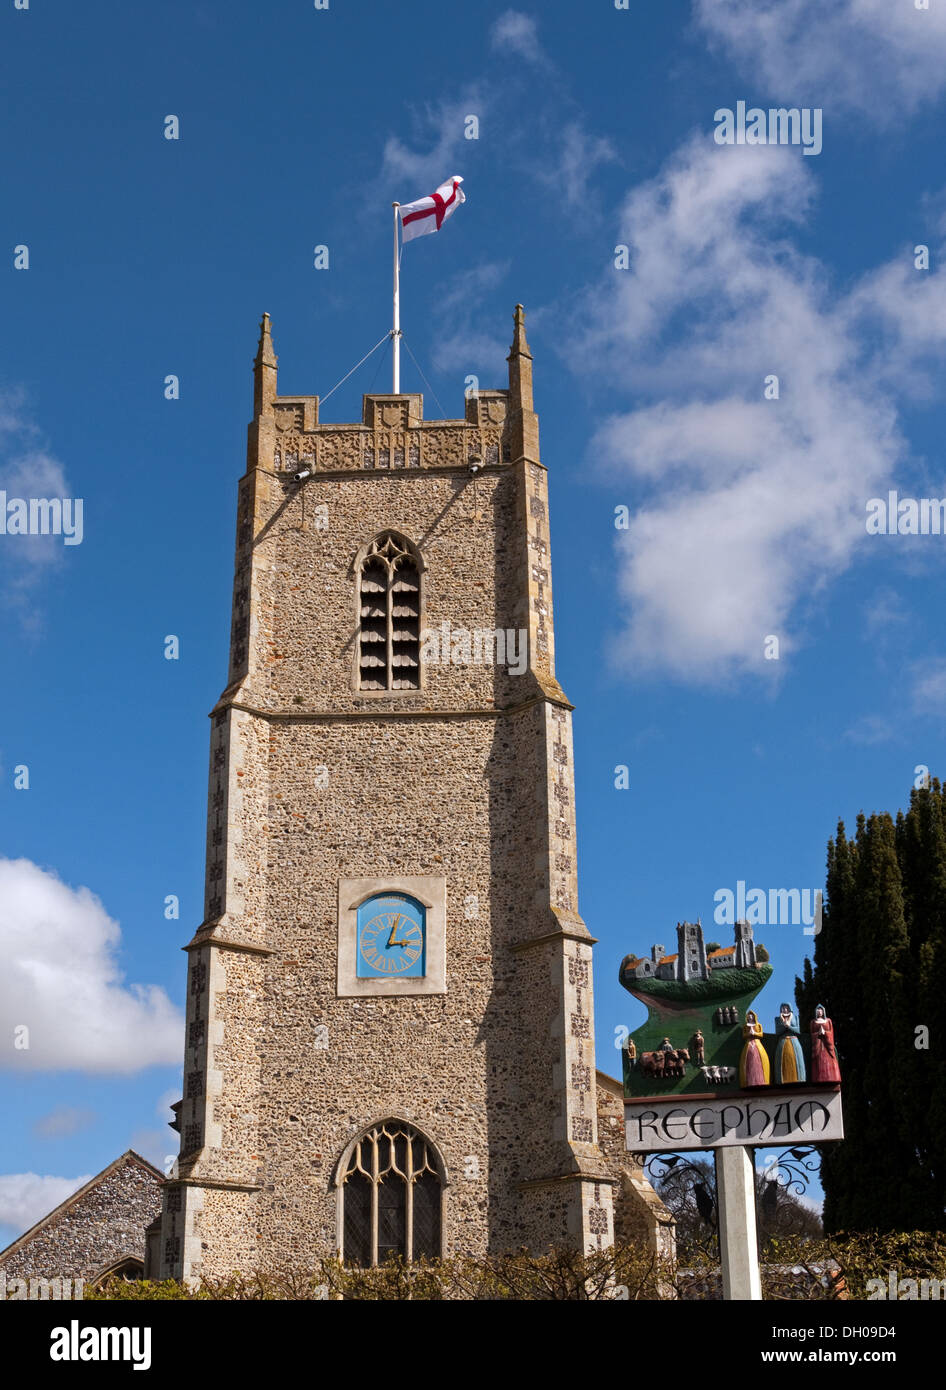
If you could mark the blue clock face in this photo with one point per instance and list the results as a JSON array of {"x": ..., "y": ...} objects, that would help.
[{"x": 392, "y": 937}]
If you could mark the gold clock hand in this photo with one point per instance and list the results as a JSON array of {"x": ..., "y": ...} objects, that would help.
[
  {"x": 410, "y": 927},
  {"x": 391, "y": 941}
]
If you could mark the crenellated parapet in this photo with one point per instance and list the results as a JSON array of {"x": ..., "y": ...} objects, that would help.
[
  {"x": 286, "y": 434},
  {"x": 393, "y": 436}
]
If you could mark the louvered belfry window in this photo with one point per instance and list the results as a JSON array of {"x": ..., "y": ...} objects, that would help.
[
  {"x": 391, "y": 1191},
  {"x": 389, "y": 634}
]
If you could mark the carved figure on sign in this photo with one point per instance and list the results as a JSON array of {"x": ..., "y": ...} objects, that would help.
[
  {"x": 665, "y": 1062},
  {"x": 676, "y": 1063},
  {"x": 652, "y": 1064},
  {"x": 789, "y": 1062},
  {"x": 824, "y": 1056},
  {"x": 754, "y": 1062}
]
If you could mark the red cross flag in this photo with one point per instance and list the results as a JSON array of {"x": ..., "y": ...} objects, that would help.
[{"x": 429, "y": 214}]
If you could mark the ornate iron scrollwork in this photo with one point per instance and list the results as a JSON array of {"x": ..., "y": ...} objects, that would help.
[
  {"x": 791, "y": 1170},
  {"x": 661, "y": 1166}
]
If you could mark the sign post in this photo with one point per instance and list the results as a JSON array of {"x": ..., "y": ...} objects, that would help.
[{"x": 735, "y": 1208}]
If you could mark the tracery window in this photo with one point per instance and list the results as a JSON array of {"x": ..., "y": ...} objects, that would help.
[
  {"x": 129, "y": 1267},
  {"x": 389, "y": 616},
  {"x": 391, "y": 1194}
]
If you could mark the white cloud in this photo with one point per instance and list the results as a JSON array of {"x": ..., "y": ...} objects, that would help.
[
  {"x": 881, "y": 58},
  {"x": 61, "y": 980},
  {"x": 27, "y": 469},
  {"x": 63, "y": 1121},
  {"x": 462, "y": 347},
  {"x": 158, "y": 1146},
  {"x": 165, "y": 1100},
  {"x": 26, "y": 1197},
  {"x": 870, "y": 730},
  {"x": 469, "y": 284},
  {"x": 884, "y": 611},
  {"x": 742, "y": 506},
  {"x": 11, "y": 411},
  {"x": 929, "y": 686},
  {"x": 571, "y": 169},
  {"x": 905, "y": 310},
  {"x": 468, "y": 351},
  {"x": 515, "y": 34},
  {"x": 547, "y": 119},
  {"x": 408, "y": 172}
]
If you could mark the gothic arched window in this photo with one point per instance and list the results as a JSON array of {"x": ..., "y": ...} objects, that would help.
[
  {"x": 389, "y": 616},
  {"x": 390, "y": 1190},
  {"x": 129, "y": 1267}
]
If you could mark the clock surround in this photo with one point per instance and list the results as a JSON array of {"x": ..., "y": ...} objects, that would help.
[{"x": 359, "y": 902}]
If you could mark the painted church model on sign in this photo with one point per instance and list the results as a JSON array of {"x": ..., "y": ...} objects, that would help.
[
  {"x": 390, "y": 1021},
  {"x": 692, "y": 960}
]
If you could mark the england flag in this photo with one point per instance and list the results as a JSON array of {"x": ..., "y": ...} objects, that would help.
[{"x": 429, "y": 214}]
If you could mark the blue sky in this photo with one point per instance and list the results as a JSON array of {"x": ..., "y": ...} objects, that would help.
[{"x": 150, "y": 257}]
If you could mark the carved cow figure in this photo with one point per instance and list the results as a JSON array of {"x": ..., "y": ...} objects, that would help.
[
  {"x": 676, "y": 1062},
  {"x": 662, "y": 1063},
  {"x": 652, "y": 1064}
]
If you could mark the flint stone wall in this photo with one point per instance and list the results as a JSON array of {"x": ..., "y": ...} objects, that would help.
[{"x": 104, "y": 1224}]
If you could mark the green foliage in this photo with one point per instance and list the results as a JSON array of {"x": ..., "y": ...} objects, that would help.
[
  {"x": 722, "y": 984},
  {"x": 712, "y": 946},
  {"x": 624, "y": 1272},
  {"x": 565, "y": 1275},
  {"x": 762, "y": 954},
  {"x": 140, "y": 1290},
  {"x": 794, "y": 1267},
  {"x": 879, "y": 964},
  {"x": 841, "y": 1266}
]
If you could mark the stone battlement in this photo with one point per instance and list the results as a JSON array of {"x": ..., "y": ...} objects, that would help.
[
  {"x": 392, "y": 435},
  {"x": 498, "y": 427}
]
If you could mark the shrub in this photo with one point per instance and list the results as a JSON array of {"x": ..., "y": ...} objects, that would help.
[
  {"x": 623, "y": 1272},
  {"x": 795, "y": 1268}
]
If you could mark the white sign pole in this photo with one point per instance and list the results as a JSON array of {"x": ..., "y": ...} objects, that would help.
[{"x": 735, "y": 1207}]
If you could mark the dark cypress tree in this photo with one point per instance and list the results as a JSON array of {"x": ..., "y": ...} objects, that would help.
[
  {"x": 927, "y": 849},
  {"x": 880, "y": 969},
  {"x": 902, "y": 1198},
  {"x": 830, "y": 984}
]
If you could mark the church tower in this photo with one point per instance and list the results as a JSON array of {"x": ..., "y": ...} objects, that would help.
[{"x": 389, "y": 1001}]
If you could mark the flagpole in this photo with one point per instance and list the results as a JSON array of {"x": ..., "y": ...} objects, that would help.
[{"x": 396, "y": 330}]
